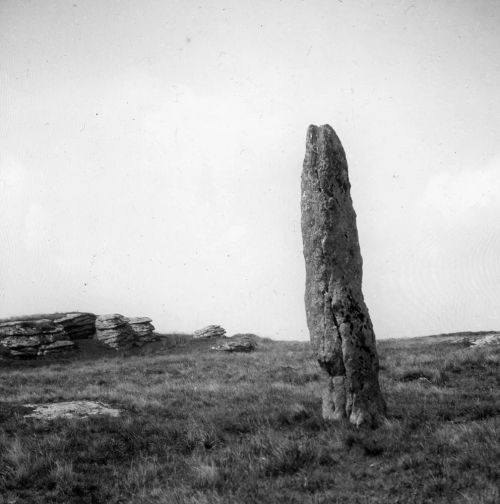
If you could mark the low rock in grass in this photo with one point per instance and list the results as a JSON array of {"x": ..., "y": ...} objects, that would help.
[
  {"x": 240, "y": 345},
  {"x": 489, "y": 339},
  {"x": 425, "y": 377},
  {"x": 70, "y": 409}
]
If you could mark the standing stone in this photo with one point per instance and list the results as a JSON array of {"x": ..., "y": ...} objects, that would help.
[{"x": 340, "y": 328}]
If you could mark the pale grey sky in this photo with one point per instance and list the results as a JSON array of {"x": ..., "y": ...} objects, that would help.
[{"x": 150, "y": 158}]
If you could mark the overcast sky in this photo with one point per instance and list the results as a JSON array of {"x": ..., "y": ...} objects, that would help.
[{"x": 151, "y": 151}]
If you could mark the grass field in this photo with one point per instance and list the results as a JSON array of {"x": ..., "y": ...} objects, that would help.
[{"x": 203, "y": 427}]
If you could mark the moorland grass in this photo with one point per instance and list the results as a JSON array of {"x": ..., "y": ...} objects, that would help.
[{"x": 203, "y": 427}]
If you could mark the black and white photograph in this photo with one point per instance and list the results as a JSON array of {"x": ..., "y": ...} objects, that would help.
[{"x": 249, "y": 251}]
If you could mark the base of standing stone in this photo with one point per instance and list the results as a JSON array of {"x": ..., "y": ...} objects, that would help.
[{"x": 339, "y": 404}]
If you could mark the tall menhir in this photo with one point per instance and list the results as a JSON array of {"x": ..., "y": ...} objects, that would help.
[{"x": 339, "y": 324}]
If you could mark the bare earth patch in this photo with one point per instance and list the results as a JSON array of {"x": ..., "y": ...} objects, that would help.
[{"x": 70, "y": 409}]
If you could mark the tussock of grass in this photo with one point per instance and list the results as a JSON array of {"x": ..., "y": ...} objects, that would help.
[{"x": 201, "y": 427}]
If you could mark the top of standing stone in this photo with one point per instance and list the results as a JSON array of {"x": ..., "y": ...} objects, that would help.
[
  {"x": 326, "y": 156},
  {"x": 323, "y": 133}
]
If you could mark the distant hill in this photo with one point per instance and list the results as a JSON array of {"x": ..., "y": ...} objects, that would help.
[{"x": 36, "y": 316}]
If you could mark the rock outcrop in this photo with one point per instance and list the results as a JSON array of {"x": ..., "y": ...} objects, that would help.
[
  {"x": 33, "y": 338},
  {"x": 39, "y": 335},
  {"x": 114, "y": 331},
  {"x": 143, "y": 328},
  {"x": 339, "y": 324},
  {"x": 78, "y": 325},
  {"x": 211, "y": 331}
]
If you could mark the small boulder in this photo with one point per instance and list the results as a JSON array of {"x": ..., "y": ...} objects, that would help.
[
  {"x": 211, "y": 331},
  {"x": 236, "y": 345}
]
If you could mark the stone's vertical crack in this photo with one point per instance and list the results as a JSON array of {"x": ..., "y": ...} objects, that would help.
[{"x": 339, "y": 334}]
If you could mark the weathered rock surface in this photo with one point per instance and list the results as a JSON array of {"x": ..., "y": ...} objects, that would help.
[
  {"x": 78, "y": 325},
  {"x": 33, "y": 338},
  {"x": 143, "y": 328},
  {"x": 58, "y": 346},
  {"x": 114, "y": 331},
  {"x": 70, "y": 409},
  {"x": 340, "y": 328},
  {"x": 211, "y": 331}
]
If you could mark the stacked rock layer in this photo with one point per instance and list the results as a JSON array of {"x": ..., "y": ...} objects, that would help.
[
  {"x": 78, "y": 325},
  {"x": 142, "y": 328},
  {"x": 33, "y": 338},
  {"x": 114, "y": 331},
  {"x": 211, "y": 331}
]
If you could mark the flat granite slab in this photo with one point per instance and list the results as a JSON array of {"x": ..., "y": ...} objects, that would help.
[{"x": 70, "y": 409}]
